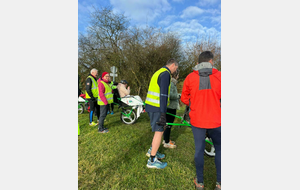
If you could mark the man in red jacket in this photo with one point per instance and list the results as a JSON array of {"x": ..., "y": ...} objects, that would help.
[{"x": 202, "y": 92}]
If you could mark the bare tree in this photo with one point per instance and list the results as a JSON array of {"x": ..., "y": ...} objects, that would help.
[{"x": 136, "y": 52}]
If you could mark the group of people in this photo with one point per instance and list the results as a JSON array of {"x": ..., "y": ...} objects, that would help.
[
  {"x": 99, "y": 94},
  {"x": 201, "y": 92}
]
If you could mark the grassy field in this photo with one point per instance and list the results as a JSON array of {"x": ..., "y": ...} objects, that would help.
[{"x": 117, "y": 160}]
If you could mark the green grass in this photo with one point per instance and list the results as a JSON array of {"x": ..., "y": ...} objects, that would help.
[{"x": 117, "y": 160}]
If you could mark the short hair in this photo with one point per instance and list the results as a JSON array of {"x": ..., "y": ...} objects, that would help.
[
  {"x": 171, "y": 61},
  {"x": 93, "y": 70},
  {"x": 205, "y": 56}
]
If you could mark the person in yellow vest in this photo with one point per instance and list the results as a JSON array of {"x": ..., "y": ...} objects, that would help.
[
  {"x": 157, "y": 100},
  {"x": 105, "y": 97},
  {"x": 91, "y": 95}
]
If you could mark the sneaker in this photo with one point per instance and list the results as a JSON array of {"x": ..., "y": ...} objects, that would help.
[
  {"x": 199, "y": 186},
  {"x": 158, "y": 154},
  {"x": 173, "y": 142},
  {"x": 93, "y": 124},
  {"x": 169, "y": 145},
  {"x": 156, "y": 164},
  {"x": 112, "y": 112},
  {"x": 218, "y": 186},
  {"x": 108, "y": 112},
  {"x": 103, "y": 131}
]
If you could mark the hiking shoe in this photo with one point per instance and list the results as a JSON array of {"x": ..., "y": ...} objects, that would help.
[
  {"x": 199, "y": 186},
  {"x": 173, "y": 142},
  {"x": 156, "y": 164},
  {"x": 103, "y": 131},
  {"x": 158, "y": 154},
  {"x": 93, "y": 124},
  {"x": 218, "y": 186},
  {"x": 112, "y": 112},
  {"x": 108, "y": 112},
  {"x": 169, "y": 145}
]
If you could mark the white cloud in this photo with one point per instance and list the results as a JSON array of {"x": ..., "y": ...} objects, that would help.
[
  {"x": 216, "y": 19},
  {"x": 141, "y": 11},
  {"x": 191, "y": 30},
  {"x": 167, "y": 20},
  {"x": 191, "y": 12},
  {"x": 213, "y": 11},
  {"x": 207, "y": 2}
]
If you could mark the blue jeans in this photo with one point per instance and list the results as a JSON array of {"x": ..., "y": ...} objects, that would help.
[{"x": 199, "y": 138}]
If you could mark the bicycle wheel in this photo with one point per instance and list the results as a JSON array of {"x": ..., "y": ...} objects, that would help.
[
  {"x": 209, "y": 148},
  {"x": 130, "y": 119},
  {"x": 80, "y": 108}
]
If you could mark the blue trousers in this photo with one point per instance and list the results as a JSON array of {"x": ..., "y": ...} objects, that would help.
[{"x": 199, "y": 138}]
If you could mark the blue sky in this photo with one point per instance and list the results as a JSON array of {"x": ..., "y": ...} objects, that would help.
[{"x": 189, "y": 18}]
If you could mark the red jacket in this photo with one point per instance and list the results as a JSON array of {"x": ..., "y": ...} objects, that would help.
[{"x": 202, "y": 92}]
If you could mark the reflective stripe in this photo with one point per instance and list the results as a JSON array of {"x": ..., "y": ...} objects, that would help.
[
  {"x": 107, "y": 94},
  {"x": 94, "y": 88},
  {"x": 153, "y": 93},
  {"x": 152, "y": 100}
]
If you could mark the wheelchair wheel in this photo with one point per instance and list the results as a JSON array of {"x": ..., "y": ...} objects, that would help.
[
  {"x": 80, "y": 108},
  {"x": 209, "y": 149},
  {"x": 128, "y": 120}
]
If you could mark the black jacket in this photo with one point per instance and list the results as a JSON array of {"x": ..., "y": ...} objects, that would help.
[{"x": 88, "y": 87}]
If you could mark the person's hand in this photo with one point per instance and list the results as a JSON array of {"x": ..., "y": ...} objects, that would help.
[
  {"x": 128, "y": 88},
  {"x": 162, "y": 120},
  {"x": 94, "y": 99}
]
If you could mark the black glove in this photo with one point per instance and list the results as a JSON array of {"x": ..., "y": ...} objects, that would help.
[{"x": 162, "y": 120}]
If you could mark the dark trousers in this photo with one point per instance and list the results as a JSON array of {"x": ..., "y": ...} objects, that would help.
[
  {"x": 93, "y": 107},
  {"x": 111, "y": 106},
  {"x": 103, "y": 113},
  {"x": 170, "y": 119},
  {"x": 199, "y": 138}
]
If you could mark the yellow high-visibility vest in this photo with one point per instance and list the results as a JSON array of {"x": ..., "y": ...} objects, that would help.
[
  {"x": 153, "y": 95},
  {"x": 94, "y": 88},
  {"x": 108, "y": 94}
]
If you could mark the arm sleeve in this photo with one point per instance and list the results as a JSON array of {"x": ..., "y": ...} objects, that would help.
[
  {"x": 185, "y": 92},
  {"x": 101, "y": 90},
  {"x": 173, "y": 92},
  {"x": 164, "y": 82},
  {"x": 112, "y": 85},
  {"x": 88, "y": 87},
  {"x": 123, "y": 91}
]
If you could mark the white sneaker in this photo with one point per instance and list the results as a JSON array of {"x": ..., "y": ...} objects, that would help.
[
  {"x": 173, "y": 142},
  {"x": 169, "y": 145}
]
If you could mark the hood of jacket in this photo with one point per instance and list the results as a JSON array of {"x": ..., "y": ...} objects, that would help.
[
  {"x": 174, "y": 81},
  {"x": 204, "y": 69}
]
